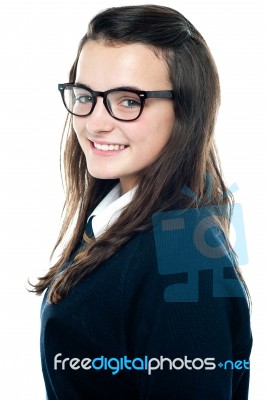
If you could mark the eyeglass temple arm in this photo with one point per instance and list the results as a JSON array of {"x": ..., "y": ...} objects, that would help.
[{"x": 163, "y": 94}]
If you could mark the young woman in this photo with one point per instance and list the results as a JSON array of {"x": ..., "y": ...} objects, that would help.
[{"x": 146, "y": 300}]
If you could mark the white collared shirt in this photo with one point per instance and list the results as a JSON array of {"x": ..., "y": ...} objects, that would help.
[{"x": 109, "y": 209}]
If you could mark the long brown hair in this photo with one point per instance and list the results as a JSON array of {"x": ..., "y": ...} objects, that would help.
[{"x": 187, "y": 158}]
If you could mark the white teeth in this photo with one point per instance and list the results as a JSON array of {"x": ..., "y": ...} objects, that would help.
[{"x": 107, "y": 147}]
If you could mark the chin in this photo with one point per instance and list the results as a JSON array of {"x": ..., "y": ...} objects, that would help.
[{"x": 102, "y": 175}]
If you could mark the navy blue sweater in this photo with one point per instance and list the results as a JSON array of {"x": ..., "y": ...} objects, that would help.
[{"x": 200, "y": 345}]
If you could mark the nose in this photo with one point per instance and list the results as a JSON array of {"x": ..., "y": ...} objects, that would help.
[{"x": 100, "y": 120}]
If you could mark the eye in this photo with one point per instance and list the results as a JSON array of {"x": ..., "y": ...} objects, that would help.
[
  {"x": 83, "y": 99},
  {"x": 130, "y": 103},
  {"x": 124, "y": 99}
]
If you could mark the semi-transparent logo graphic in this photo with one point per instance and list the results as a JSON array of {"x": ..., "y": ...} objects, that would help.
[{"x": 191, "y": 240}]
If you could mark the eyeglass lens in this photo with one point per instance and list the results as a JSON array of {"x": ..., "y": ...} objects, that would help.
[{"x": 124, "y": 105}]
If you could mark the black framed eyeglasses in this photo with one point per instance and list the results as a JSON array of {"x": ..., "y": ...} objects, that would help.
[{"x": 123, "y": 104}]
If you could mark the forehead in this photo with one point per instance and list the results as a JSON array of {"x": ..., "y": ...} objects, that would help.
[{"x": 103, "y": 66}]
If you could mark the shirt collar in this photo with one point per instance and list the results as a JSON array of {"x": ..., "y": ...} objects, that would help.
[{"x": 109, "y": 209}]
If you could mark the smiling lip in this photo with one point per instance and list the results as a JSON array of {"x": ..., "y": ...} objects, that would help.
[{"x": 107, "y": 148}]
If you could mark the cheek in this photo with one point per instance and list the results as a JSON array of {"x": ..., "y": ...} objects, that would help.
[
  {"x": 79, "y": 127},
  {"x": 148, "y": 143},
  {"x": 159, "y": 130}
]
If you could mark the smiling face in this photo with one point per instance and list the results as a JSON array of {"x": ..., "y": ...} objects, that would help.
[{"x": 118, "y": 149}]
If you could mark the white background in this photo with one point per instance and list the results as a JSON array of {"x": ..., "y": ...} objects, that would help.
[{"x": 38, "y": 43}]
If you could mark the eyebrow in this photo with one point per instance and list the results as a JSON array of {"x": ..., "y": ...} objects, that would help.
[{"x": 117, "y": 87}]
